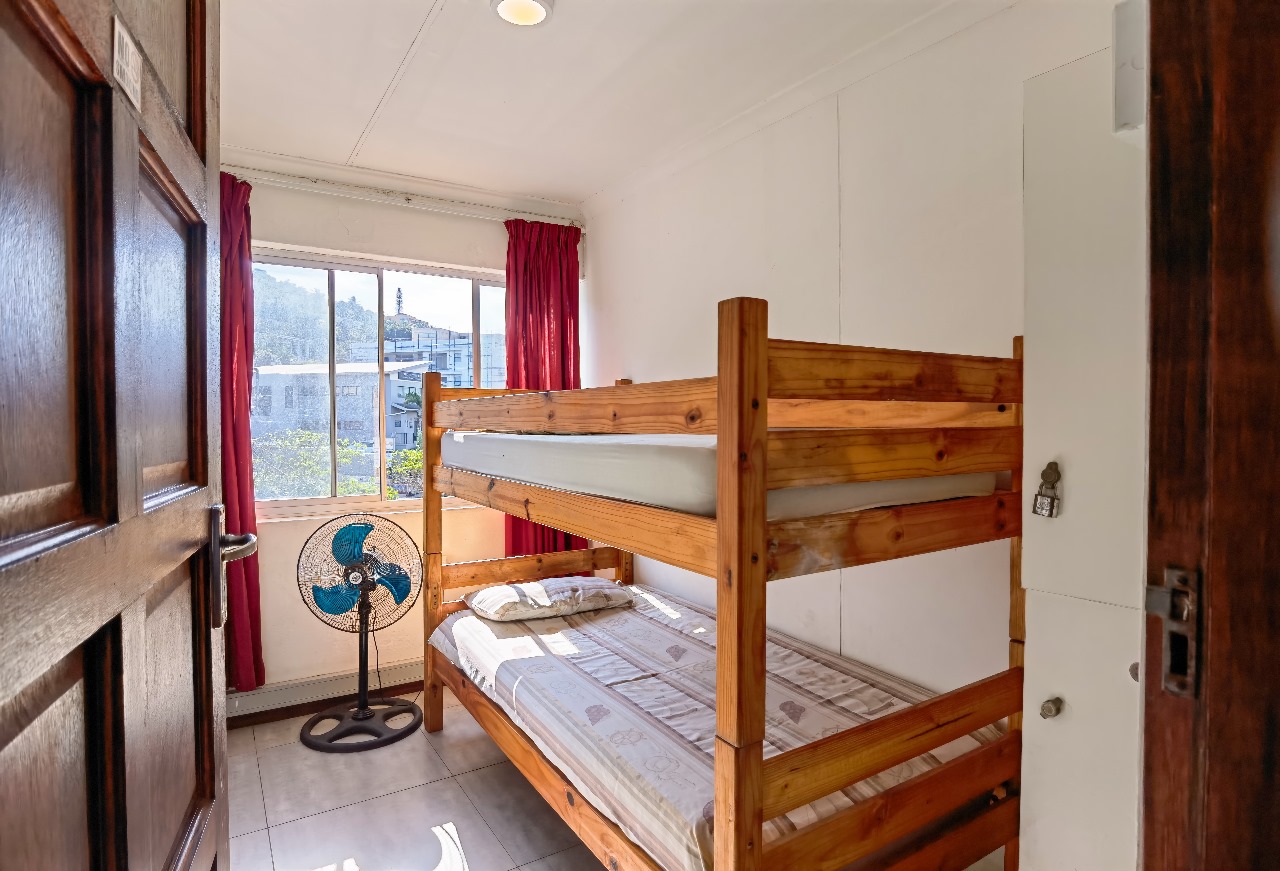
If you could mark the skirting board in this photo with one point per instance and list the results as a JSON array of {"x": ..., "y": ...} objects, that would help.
[{"x": 330, "y": 686}]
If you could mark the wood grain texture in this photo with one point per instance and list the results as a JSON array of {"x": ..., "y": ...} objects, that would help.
[
  {"x": 959, "y": 848},
  {"x": 603, "y": 837},
  {"x": 169, "y": 743},
  {"x": 160, "y": 28},
  {"x": 800, "y": 458},
  {"x": 739, "y": 832},
  {"x": 831, "y": 541},
  {"x": 40, "y": 201},
  {"x": 741, "y": 529},
  {"x": 874, "y": 823},
  {"x": 511, "y": 570},
  {"x": 433, "y": 545},
  {"x": 809, "y": 772},
  {"x": 811, "y": 370},
  {"x": 44, "y": 821},
  {"x": 1181, "y": 173},
  {"x": 656, "y": 407},
  {"x": 77, "y": 581},
  {"x": 873, "y": 413},
  {"x": 683, "y": 540},
  {"x": 1211, "y": 767}
]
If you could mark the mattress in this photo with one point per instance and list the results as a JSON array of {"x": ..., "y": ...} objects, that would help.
[
  {"x": 622, "y": 702},
  {"x": 673, "y": 471}
]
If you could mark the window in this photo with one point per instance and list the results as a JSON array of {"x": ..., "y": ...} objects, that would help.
[{"x": 348, "y": 347}]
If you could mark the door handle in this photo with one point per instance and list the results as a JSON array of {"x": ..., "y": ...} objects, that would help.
[{"x": 224, "y": 548}]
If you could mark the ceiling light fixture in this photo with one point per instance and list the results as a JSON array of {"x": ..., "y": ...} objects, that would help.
[{"x": 523, "y": 12}]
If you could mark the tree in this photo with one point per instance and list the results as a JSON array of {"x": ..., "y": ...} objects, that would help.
[
  {"x": 404, "y": 473},
  {"x": 412, "y": 400},
  {"x": 294, "y": 464}
]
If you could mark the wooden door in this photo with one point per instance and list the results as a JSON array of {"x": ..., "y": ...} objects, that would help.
[
  {"x": 112, "y": 694},
  {"x": 1212, "y": 742}
]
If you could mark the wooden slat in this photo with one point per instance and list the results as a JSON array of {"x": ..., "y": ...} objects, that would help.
[
  {"x": 672, "y": 537},
  {"x": 832, "y": 541},
  {"x": 448, "y": 394},
  {"x": 657, "y": 407},
  {"x": 865, "y": 413},
  {"x": 807, "y": 773},
  {"x": 810, "y": 370},
  {"x": 741, "y": 495},
  {"x": 433, "y": 545},
  {"x": 799, "y": 458},
  {"x": 964, "y": 845},
  {"x": 602, "y": 837},
  {"x": 529, "y": 568},
  {"x": 871, "y": 825}
]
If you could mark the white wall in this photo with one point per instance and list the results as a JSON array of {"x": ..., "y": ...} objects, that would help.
[
  {"x": 887, "y": 214},
  {"x": 296, "y": 645},
  {"x": 1086, "y": 407}
]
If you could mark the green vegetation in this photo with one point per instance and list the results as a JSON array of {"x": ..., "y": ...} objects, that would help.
[
  {"x": 404, "y": 473},
  {"x": 294, "y": 464}
]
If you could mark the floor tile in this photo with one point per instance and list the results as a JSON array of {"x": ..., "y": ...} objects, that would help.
[
  {"x": 298, "y": 781},
  {"x": 427, "y": 828},
  {"x": 240, "y": 742},
  {"x": 525, "y": 824},
  {"x": 577, "y": 858},
  {"x": 251, "y": 852},
  {"x": 462, "y": 744},
  {"x": 268, "y": 735},
  {"x": 244, "y": 800}
]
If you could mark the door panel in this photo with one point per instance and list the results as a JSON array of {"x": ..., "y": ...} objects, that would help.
[
  {"x": 44, "y": 760},
  {"x": 170, "y": 737},
  {"x": 40, "y": 226},
  {"x": 166, "y": 228},
  {"x": 111, "y": 686}
]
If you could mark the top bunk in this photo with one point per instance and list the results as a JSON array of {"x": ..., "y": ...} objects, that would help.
[{"x": 802, "y": 417}]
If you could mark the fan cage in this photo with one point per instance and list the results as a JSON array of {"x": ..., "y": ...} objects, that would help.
[{"x": 386, "y": 543}]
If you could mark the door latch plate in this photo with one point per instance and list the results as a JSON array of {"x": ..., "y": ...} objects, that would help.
[{"x": 1177, "y": 603}]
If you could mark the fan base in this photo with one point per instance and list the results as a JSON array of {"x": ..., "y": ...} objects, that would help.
[{"x": 370, "y": 722}]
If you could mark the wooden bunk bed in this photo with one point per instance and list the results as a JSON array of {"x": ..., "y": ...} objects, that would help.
[{"x": 785, "y": 414}]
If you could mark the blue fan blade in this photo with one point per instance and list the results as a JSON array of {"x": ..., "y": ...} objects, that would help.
[
  {"x": 335, "y": 600},
  {"x": 348, "y": 543},
  {"x": 395, "y": 580}
]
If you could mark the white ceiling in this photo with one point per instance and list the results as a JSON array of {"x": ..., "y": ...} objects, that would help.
[{"x": 445, "y": 90}]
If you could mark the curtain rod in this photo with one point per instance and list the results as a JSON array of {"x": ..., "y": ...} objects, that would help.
[{"x": 388, "y": 196}]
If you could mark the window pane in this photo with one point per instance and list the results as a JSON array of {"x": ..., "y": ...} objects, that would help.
[
  {"x": 289, "y": 418},
  {"x": 426, "y": 328},
  {"x": 493, "y": 336},
  {"x": 355, "y": 325}
]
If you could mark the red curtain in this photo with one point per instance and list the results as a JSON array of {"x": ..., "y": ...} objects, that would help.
[
  {"x": 245, "y": 669},
  {"x": 542, "y": 339}
]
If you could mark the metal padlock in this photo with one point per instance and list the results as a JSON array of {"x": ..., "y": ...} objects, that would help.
[{"x": 1047, "y": 501}]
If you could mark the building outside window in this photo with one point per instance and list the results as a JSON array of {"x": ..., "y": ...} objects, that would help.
[{"x": 317, "y": 330}]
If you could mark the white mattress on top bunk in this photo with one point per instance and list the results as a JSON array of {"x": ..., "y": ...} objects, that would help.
[{"x": 674, "y": 471}]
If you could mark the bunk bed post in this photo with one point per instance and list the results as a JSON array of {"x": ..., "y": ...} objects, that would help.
[
  {"x": 1017, "y": 609},
  {"x": 433, "y": 539},
  {"x": 742, "y": 433}
]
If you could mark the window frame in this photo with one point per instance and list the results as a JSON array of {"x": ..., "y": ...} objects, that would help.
[{"x": 320, "y": 506}]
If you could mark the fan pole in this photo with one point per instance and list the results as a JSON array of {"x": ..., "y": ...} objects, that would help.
[{"x": 363, "y": 712}]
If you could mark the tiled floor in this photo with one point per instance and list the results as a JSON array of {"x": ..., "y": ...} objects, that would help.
[{"x": 443, "y": 802}]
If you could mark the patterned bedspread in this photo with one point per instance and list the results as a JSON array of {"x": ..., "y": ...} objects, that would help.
[{"x": 622, "y": 701}]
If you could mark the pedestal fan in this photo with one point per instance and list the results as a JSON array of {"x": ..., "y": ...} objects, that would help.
[{"x": 360, "y": 573}]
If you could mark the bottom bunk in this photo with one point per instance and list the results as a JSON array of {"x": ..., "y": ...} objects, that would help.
[{"x": 611, "y": 715}]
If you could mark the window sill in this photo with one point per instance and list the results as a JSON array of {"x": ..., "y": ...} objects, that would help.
[{"x": 277, "y": 510}]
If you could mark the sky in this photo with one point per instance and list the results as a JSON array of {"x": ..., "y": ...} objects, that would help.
[{"x": 439, "y": 300}]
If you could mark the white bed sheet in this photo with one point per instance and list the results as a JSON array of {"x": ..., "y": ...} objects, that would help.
[{"x": 673, "y": 471}]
